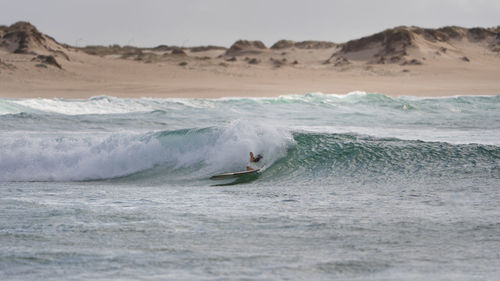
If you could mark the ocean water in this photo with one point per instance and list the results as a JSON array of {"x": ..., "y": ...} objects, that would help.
[{"x": 353, "y": 187}]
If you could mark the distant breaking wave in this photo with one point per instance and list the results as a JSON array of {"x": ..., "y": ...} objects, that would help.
[{"x": 112, "y": 105}]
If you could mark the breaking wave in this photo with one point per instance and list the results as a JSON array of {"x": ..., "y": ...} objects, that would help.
[{"x": 302, "y": 137}]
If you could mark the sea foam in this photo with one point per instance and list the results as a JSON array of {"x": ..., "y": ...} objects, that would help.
[{"x": 78, "y": 156}]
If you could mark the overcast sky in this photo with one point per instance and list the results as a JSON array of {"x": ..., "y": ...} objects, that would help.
[{"x": 150, "y": 23}]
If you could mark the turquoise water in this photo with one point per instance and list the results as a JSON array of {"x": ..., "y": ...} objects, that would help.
[{"x": 353, "y": 187}]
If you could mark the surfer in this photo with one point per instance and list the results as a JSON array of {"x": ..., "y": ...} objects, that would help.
[{"x": 253, "y": 160}]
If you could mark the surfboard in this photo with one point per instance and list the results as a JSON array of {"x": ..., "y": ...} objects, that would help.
[{"x": 234, "y": 175}]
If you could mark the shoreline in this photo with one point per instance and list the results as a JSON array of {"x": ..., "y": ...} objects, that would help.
[
  {"x": 169, "y": 81},
  {"x": 337, "y": 95}
]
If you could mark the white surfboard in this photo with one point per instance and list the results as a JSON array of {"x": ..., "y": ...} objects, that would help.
[{"x": 234, "y": 175}]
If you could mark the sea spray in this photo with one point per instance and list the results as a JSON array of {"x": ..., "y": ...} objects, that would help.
[
  {"x": 69, "y": 157},
  {"x": 238, "y": 138},
  {"x": 77, "y": 156}
]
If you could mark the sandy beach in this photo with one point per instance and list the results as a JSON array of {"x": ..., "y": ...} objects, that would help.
[{"x": 404, "y": 61}]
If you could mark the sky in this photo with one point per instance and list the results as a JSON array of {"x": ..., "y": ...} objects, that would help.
[{"x": 150, "y": 23}]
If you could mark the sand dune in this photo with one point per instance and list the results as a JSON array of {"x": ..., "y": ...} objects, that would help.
[{"x": 398, "y": 61}]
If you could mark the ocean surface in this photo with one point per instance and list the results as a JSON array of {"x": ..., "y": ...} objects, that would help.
[{"x": 353, "y": 187}]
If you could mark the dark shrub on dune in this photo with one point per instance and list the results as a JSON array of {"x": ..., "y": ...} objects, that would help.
[
  {"x": 244, "y": 46},
  {"x": 283, "y": 44}
]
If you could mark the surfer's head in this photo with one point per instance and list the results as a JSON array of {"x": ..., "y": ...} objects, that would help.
[{"x": 257, "y": 159}]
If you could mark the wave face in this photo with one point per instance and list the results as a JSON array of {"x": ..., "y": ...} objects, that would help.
[
  {"x": 344, "y": 158},
  {"x": 304, "y": 138}
]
